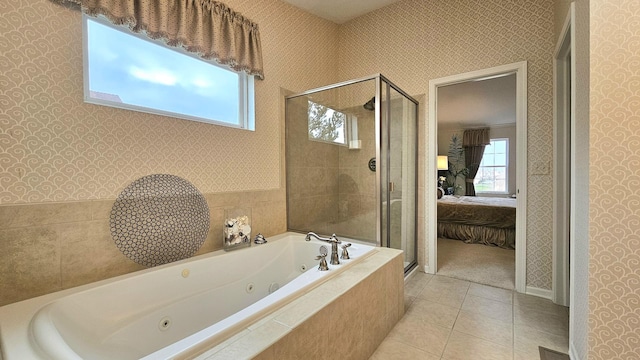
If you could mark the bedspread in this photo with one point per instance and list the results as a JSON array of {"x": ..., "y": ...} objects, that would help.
[{"x": 474, "y": 219}]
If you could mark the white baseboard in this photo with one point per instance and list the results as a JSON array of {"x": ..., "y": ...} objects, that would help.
[
  {"x": 543, "y": 293},
  {"x": 427, "y": 269}
]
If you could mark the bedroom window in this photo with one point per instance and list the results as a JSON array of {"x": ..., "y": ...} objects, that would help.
[
  {"x": 493, "y": 170},
  {"x": 127, "y": 70}
]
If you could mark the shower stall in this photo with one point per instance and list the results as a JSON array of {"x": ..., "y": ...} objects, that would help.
[{"x": 351, "y": 162}]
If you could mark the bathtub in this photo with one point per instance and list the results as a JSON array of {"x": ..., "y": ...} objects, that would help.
[{"x": 170, "y": 310}]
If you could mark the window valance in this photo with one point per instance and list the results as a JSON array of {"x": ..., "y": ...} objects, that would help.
[
  {"x": 476, "y": 137},
  {"x": 208, "y": 28}
]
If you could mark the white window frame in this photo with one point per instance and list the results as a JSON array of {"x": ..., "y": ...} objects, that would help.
[
  {"x": 246, "y": 98},
  {"x": 506, "y": 166}
]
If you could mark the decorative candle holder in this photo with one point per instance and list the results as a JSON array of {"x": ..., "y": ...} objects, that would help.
[{"x": 236, "y": 230}]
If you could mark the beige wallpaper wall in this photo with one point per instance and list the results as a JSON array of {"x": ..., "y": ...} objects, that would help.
[
  {"x": 63, "y": 162},
  {"x": 57, "y": 148},
  {"x": 614, "y": 249},
  {"x": 561, "y": 8},
  {"x": 439, "y": 38}
]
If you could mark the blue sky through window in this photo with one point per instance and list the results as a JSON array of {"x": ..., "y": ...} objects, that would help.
[{"x": 146, "y": 74}]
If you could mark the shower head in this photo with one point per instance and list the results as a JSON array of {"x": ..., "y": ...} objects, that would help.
[{"x": 370, "y": 105}]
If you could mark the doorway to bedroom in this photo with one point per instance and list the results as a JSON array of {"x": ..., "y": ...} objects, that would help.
[{"x": 477, "y": 136}]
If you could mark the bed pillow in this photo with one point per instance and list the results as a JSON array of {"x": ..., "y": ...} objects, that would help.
[{"x": 440, "y": 192}]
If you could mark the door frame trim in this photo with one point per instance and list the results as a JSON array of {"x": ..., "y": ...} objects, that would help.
[
  {"x": 561, "y": 174},
  {"x": 520, "y": 69}
]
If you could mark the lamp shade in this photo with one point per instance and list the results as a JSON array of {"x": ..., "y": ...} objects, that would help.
[{"x": 443, "y": 162}]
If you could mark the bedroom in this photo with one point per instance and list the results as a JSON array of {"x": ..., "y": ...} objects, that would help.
[{"x": 476, "y": 215}]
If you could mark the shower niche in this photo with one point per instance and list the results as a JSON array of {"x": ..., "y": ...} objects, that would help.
[{"x": 351, "y": 163}]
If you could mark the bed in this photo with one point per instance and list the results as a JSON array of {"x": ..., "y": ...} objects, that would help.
[{"x": 476, "y": 219}]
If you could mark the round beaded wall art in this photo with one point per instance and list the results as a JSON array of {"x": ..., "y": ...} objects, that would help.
[{"x": 159, "y": 219}]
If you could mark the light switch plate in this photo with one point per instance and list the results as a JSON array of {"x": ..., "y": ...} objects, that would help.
[{"x": 540, "y": 168}]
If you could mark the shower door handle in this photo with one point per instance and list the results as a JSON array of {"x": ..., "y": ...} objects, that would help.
[{"x": 392, "y": 186}]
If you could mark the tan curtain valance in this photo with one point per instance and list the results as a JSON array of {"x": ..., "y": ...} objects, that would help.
[
  {"x": 208, "y": 28},
  {"x": 476, "y": 137}
]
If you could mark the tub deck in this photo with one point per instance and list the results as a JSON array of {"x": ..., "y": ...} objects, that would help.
[{"x": 67, "y": 311}]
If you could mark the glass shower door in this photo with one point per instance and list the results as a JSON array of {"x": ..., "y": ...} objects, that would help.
[
  {"x": 351, "y": 153},
  {"x": 401, "y": 161}
]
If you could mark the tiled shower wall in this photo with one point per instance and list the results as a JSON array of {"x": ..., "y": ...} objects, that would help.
[
  {"x": 53, "y": 246},
  {"x": 330, "y": 187},
  {"x": 312, "y": 167},
  {"x": 357, "y": 184}
]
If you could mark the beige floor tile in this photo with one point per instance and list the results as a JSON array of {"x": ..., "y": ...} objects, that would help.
[
  {"x": 490, "y": 308},
  {"x": 394, "y": 350},
  {"x": 531, "y": 302},
  {"x": 408, "y": 300},
  {"x": 447, "y": 283},
  {"x": 414, "y": 286},
  {"x": 434, "y": 313},
  {"x": 421, "y": 276},
  {"x": 541, "y": 321},
  {"x": 525, "y": 355},
  {"x": 490, "y": 292},
  {"x": 466, "y": 347},
  {"x": 527, "y": 339},
  {"x": 424, "y": 336},
  {"x": 452, "y": 298},
  {"x": 488, "y": 323},
  {"x": 485, "y": 328}
]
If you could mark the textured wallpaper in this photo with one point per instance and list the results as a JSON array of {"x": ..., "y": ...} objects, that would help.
[
  {"x": 560, "y": 15},
  {"x": 614, "y": 263},
  {"x": 57, "y": 148},
  {"x": 414, "y": 41}
]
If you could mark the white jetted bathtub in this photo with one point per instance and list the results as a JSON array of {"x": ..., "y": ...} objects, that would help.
[{"x": 162, "y": 312}]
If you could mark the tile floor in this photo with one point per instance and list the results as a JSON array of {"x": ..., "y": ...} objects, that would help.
[{"x": 450, "y": 319}]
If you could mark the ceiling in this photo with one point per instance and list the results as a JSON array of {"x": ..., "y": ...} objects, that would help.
[
  {"x": 478, "y": 103},
  {"x": 339, "y": 11}
]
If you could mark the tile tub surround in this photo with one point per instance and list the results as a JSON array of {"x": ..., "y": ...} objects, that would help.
[
  {"x": 346, "y": 317},
  {"x": 49, "y": 247}
]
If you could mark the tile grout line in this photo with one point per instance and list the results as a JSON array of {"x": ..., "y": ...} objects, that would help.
[{"x": 454, "y": 324}]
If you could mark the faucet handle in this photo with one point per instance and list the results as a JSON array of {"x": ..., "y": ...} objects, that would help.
[
  {"x": 345, "y": 253},
  {"x": 335, "y": 239},
  {"x": 323, "y": 259},
  {"x": 323, "y": 263}
]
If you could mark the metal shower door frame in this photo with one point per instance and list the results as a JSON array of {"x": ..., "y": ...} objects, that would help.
[{"x": 379, "y": 80}]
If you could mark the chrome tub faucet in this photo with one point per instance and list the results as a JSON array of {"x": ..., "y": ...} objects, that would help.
[{"x": 333, "y": 240}]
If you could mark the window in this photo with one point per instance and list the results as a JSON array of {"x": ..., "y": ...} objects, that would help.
[
  {"x": 327, "y": 124},
  {"x": 492, "y": 174},
  {"x": 127, "y": 70}
]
